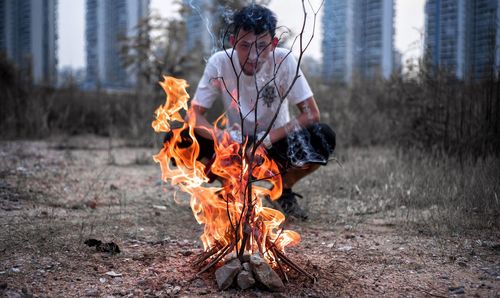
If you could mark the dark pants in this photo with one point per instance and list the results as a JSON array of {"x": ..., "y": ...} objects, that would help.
[{"x": 312, "y": 145}]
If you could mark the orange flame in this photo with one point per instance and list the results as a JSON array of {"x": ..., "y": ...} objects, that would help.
[{"x": 222, "y": 210}]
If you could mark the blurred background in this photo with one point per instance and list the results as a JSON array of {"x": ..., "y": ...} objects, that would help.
[
  {"x": 409, "y": 202},
  {"x": 401, "y": 73}
]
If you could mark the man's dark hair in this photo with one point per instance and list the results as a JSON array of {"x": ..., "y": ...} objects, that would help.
[{"x": 255, "y": 18}]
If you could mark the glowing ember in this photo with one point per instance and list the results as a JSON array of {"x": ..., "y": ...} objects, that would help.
[{"x": 232, "y": 214}]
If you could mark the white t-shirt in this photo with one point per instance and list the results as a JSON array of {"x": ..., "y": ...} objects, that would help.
[{"x": 219, "y": 78}]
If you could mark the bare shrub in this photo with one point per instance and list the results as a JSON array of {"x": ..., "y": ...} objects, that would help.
[
  {"x": 445, "y": 115},
  {"x": 362, "y": 114},
  {"x": 39, "y": 113},
  {"x": 434, "y": 112}
]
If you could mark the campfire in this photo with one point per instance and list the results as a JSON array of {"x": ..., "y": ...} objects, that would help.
[{"x": 243, "y": 239}]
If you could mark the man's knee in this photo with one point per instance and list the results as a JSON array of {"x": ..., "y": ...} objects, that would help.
[
  {"x": 311, "y": 167},
  {"x": 326, "y": 134}
]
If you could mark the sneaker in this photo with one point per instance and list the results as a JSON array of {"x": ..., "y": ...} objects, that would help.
[{"x": 290, "y": 206}]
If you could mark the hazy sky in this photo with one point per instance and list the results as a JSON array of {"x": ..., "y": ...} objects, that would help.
[{"x": 409, "y": 25}]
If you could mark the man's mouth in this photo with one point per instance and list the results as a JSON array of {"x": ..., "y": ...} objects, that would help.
[{"x": 252, "y": 65}]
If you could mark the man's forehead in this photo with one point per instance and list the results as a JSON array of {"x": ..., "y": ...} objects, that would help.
[{"x": 250, "y": 36}]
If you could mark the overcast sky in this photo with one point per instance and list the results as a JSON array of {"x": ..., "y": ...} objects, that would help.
[{"x": 409, "y": 26}]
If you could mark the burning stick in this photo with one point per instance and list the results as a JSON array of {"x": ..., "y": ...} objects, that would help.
[
  {"x": 222, "y": 253},
  {"x": 207, "y": 254},
  {"x": 282, "y": 271},
  {"x": 281, "y": 256},
  {"x": 292, "y": 265}
]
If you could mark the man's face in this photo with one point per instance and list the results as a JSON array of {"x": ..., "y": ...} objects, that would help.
[{"x": 253, "y": 50}]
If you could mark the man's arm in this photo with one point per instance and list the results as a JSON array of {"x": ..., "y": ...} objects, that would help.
[
  {"x": 202, "y": 126},
  {"x": 309, "y": 114}
]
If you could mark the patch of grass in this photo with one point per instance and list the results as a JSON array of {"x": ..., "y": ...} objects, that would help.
[
  {"x": 438, "y": 194},
  {"x": 456, "y": 196}
]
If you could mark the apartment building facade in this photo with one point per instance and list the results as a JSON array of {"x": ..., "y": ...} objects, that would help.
[
  {"x": 28, "y": 38},
  {"x": 463, "y": 37},
  {"x": 358, "y": 39},
  {"x": 106, "y": 22}
]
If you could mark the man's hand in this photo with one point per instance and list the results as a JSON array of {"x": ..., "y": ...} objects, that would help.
[
  {"x": 267, "y": 140},
  {"x": 235, "y": 134},
  {"x": 196, "y": 115}
]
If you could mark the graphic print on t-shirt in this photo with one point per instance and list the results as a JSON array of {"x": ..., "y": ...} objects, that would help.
[{"x": 268, "y": 95}]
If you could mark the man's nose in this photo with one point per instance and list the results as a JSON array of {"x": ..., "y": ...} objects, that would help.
[{"x": 253, "y": 54}]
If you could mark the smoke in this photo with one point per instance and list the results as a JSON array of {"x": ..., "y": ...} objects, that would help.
[
  {"x": 209, "y": 13},
  {"x": 200, "y": 9},
  {"x": 303, "y": 150}
]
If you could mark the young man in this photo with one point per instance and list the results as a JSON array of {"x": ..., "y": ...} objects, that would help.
[{"x": 252, "y": 78}]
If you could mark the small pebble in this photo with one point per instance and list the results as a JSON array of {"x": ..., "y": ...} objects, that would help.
[
  {"x": 187, "y": 253},
  {"x": 457, "y": 290},
  {"x": 92, "y": 292},
  {"x": 345, "y": 248}
]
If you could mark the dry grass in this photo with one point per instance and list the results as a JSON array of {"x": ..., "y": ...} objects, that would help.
[
  {"x": 439, "y": 195},
  {"x": 55, "y": 195}
]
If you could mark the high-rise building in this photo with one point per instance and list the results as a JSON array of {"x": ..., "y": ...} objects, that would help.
[
  {"x": 28, "y": 37},
  {"x": 358, "y": 39},
  {"x": 106, "y": 23},
  {"x": 463, "y": 36}
]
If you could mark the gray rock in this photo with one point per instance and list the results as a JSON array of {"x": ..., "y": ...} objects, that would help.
[
  {"x": 245, "y": 280},
  {"x": 264, "y": 274},
  {"x": 226, "y": 274},
  {"x": 92, "y": 292},
  {"x": 198, "y": 283},
  {"x": 12, "y": 294},
  {"x": 246, "y": 266},
  {"x": 492, "y": 273},
  {"x": 231, "y": 256},
  {"x": 203, "y": 291},
  {"x": 457, "y": 290},
  {"x": 246, "y": 258},
  {"x": 120, "y": 292},
  {"x": 26, "y": 293}
]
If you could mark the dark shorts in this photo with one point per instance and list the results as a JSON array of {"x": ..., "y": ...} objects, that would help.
[{"x": 312, "y": 145}]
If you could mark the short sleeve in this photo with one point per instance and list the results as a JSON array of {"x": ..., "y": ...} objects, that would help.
[
  {"x": 300, "y": 90},
  {"x": 206, "y": 92}
]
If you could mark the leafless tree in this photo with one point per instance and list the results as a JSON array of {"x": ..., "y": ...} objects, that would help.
[{"x": 156, "y": 48}]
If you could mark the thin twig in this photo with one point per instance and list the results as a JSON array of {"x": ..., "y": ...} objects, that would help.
[
  {"x": 222, "y": 253},
  {"x": 205, "y": 255},
  {"x": 294, "y": 266},
  {"x": 285, "y": 276}
]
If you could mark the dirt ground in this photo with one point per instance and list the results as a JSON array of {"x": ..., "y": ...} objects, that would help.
[{"x": 55, "y": 194}]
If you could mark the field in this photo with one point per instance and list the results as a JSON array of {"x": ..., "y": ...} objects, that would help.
[{"x": 382, "y": 222}]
